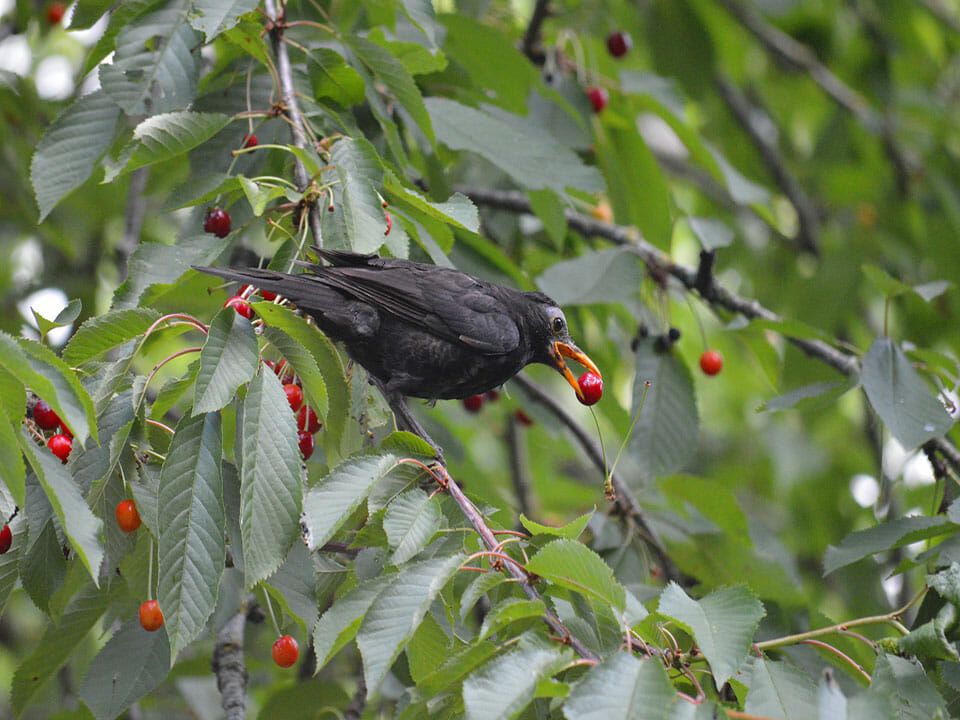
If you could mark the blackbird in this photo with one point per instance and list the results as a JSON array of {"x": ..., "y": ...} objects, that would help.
[{"x": 423, "y": 330}]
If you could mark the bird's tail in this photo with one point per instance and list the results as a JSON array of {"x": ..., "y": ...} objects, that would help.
[{"x": 306, "y": 291}]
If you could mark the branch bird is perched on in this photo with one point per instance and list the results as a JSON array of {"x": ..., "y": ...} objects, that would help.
[{"x": 422, "y": 330}]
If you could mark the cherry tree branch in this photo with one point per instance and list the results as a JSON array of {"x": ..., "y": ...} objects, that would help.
[
  {"x": 531, "y": 38},
  {"x": 746, "y": 115},
  {"x": 715, "y": 295},
  {"x": 229, "y": 667},
  {"x": 288, "y": 98}
]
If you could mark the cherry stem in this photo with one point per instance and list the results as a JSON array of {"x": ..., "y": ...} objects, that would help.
[
  {"x": 150, "y": 572},
  {"x": 273, "y": 618},
  {"x": 633, "y": 424},
  {"x": 157, "y": 423},
  {"x": 840, "y": 654}
]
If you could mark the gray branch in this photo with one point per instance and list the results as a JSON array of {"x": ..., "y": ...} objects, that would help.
[
  {"x": 745, "y": 114},
  {"x": 228, "y": 666}
]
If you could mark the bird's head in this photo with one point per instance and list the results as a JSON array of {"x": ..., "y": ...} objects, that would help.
[{"x": 552, "y": 342}]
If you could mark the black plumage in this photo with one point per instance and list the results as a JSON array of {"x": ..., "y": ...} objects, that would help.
[{"x": 422, "y": 330}]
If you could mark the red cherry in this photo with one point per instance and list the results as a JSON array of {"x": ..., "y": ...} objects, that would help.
[
  {"x": 294, "y": 396},
  {"x": 150, "y": 616},
  {"x": 473, "y": 403},
  {"x": 591, "y": 386},
  {"x": 60, "y": 445},
  {"x": 127, "y": 516},
  {"x": 491, "y": 395},
  {"x": 598, "y": 98},
  {"x": 272, "y": 365},
  {"x": 711, "y": 362},
  {"x": 307, "y": 419},
  {"x": 6, "y": 539},
  {"x": 249, "y": 141},
  {"x": 619, "y": 43},
  {"x": 389, "y": 222},
  {"x": 285, "y": 651},
  {"x": 268, "y": 296},
  {"x": 44, "y": 416},
  {"x": 523, "y": 418},
  {"x": 307, "y": 444},
  {"x": 240, "y": 305},
  {"x": 65, "y": 430},
  {"x": 55, "y": 13},
  {"x": 217, "y": 221}
]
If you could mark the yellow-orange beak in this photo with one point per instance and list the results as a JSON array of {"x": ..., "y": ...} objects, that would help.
[{"x": 562, "y": 350}]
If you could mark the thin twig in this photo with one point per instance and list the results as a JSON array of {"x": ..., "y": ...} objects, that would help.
[
  {"x": 288, "y": 98},
  {"x": 745, "y": 113},
  {"x": 517, "y": 448},
  {"x": 531, "y": 45},
  {"x": 229, "y": 667}
]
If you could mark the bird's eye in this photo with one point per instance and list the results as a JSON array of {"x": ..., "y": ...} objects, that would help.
[{"x": 557, "y": 325}]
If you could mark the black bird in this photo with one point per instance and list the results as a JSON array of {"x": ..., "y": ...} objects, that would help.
[{"x": 422, "y": 330}]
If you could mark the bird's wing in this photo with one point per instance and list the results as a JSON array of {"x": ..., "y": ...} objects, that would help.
[{"x": 450, "y": 305}]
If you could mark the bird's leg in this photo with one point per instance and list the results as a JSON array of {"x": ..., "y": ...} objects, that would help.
[{"x": 405, "y": 419}]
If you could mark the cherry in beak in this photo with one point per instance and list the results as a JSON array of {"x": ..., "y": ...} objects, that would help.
[{"x": 569, "y": 350}]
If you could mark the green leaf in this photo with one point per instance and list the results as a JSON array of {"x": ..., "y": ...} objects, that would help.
[
  {"x": 37, "y": 367},
  {"x": 628, "y": 165},
  {"x": 929, "y": 641},
  {"x": 77, "y": 520},
  {"x": 397, "y": 80},
  {"x": 335, "y": 80},
  {"x": 507, "y": 684},
  {"x": 723, "y": 624},
  {"x": 457, "y": 210},
  {"x": 131, "y": 665},
  {"x": 156, "y": 64},
  {"x": 120, "y": 17},
  {"x": 509, "y": 611},
  {"x": 158, "y": 264},
  {"x": 711, "y": 233},
  {"x": 623, "y": 686},
  {"x": 296, "y": 585},
  {"x": 167, "y": 136},
  {"x": 667, "y": 433},
  {"x": 58, "y": 644},
  {"x": 427, "y": 649},
  {"x": 258, "y": 195},
  {"x": 824, "y": 390},
  {"x": 212, "y": 17},
  {"x": 884, "y": 282},
  {"x": 337, "y": 407},
  {"x": 304, "y": 364},
  {"x": 10, "y": 561},
  {"x": 947, "y": 583},
  {"x": 906, "y": 687},
  {"x": 191, "y": 552},
  {"x": 574, "y": 566},
  {"x": 492, "y": 61},
  {"x": 327, "y": 505},
  {"x": 532, "y": 159},
  {"x": 549, "y": 207},
  {"x": 229, "y": 359},
  {"x": 65, "y": 317},
  {"x": 339, "y": 624},
  {"x": 886, "y": 536},
  {"x": 571, "y": 530},
  {"x": 901, "y": 399},
  {"x": 607, "y": 276},
  {"x": 271, "y": 478},
  {"x": 105, "y": 332},
  {"x": 43, "y": 567},
  {"x": 411, "y": 521},
  {"x": 778, "y": 689},
  {"x": 480, "y": 586},
  {"x": 397, "y": 611},
  {"x": 11, "y": 460},
  {"x": 456, "y": 666},
  {"x": 360, "y": 171},
  {"x": 70, "y": 147}
]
